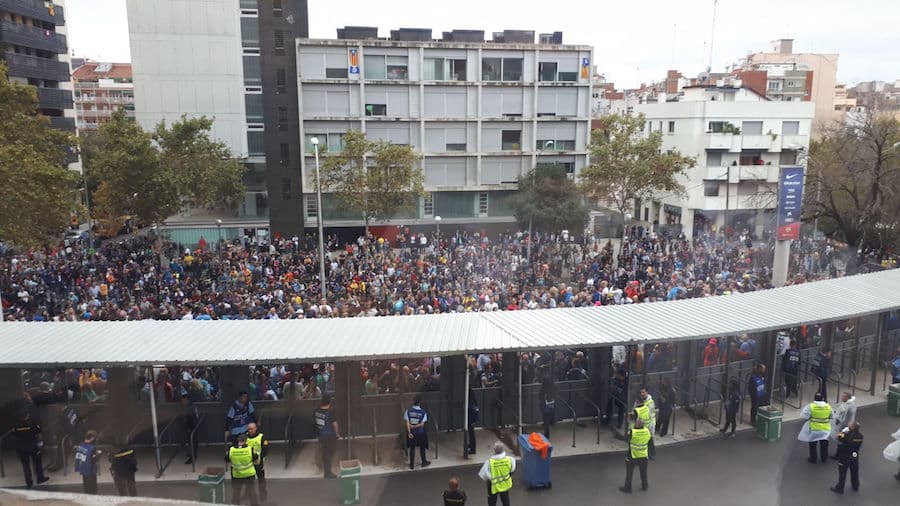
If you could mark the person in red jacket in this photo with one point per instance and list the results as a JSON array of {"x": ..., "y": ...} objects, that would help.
[{"x": 711, "y": 353}]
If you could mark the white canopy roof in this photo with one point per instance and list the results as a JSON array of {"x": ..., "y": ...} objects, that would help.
[{"x": 230, "y": 342}]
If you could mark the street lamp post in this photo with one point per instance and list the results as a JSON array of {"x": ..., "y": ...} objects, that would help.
[
  {"x": 437, "y": 226},
  {"x": 320, "y": 218},
  {"x": 219, "y": 243}
]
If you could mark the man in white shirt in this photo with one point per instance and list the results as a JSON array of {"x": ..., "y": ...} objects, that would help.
[{"x": 496, "y": 472}]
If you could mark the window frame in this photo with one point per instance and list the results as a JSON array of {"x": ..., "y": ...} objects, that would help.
[
  {"x": 512, "y": 144},
  {"x": 373, "y": 113}
]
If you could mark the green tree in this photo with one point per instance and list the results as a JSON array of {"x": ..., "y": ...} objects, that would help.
[
  {"x": 376, "y": 180},
  {"x": 853, "y": 182},
  {"x": 629, "y": 165},
  {"x": 548, "y": 201},
  {"x": 38, "y": 193}
]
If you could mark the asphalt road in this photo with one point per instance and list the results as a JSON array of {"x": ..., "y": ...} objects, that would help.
[{"x": 740, "y": 471}]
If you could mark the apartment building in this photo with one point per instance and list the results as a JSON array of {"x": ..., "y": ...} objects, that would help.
[
  {"x": 481, "y": 112},
  {"x": 232, "y": 60},
  {"x": 740, "y": 140},
  {"x": 101, "y": 89}
]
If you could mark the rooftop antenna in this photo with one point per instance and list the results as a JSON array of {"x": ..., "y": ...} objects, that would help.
[{"x": 712, "y": 37}]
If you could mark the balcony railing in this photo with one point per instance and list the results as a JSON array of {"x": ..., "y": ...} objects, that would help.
[
  {"x": 23, "y": 65},
  {"x": 34, "y": 37},
  {"x": 36, "y": 9},
  {"x": 61, "y": 123},
  {"x": 55, "y": 98}
]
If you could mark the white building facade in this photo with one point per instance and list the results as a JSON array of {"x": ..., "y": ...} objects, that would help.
[
  {"x": 481, "y": 114},
  {"x": 739, "y": 140}
]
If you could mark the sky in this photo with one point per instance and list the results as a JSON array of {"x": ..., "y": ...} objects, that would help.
[{"x": 633, "y": 42}]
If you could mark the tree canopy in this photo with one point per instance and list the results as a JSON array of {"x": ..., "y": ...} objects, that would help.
[
  {"x": 153, "y": 176},
  {"x": 627, "y": 164},
  {"x": 853, "y": 182},
  {"x": 550, "y": 201},
  {"x": 375, "y": 180},
  {"x": 38, "y": 196}
]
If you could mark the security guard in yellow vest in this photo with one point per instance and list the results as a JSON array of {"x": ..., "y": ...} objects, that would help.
[
  {"x": 258, "y": 442},
  {"x": 643, "y": 410},
  {"x": 241, "y": 458},
  {"x": 817, "y": 428},
  {"x": 497, "y": 473},
  {"x": 639, "y": 438}
]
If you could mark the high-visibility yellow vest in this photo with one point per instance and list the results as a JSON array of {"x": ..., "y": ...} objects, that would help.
[
  {"x": 501, "y": 481},
  {"x": 819, "y": 417},
  {"x": 241, "y": 459},
  {"x": 640, "y": 438},
  {"x": 255, "y": 444},
  {"x": 643, "y": 413}
]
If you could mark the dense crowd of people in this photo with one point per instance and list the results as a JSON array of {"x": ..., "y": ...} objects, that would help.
[{"x": 418, "y": 274}]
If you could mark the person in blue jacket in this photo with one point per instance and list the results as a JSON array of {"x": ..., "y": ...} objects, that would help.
[
  {"x": 416, "y": 418},
  {"x": 240, "y": 414},
  {"x": 86, "y": 457}
]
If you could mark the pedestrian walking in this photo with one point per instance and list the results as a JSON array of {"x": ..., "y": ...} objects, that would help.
[
  {"x": 844, "y": 414},
  {"x": 474, "y": 417},
  {"x": 756, "y": 389},
  {"x": 454, "y": 496},
  {"x": 823, "y": 369},
  {"x": 497, "y": 472},
  {"x": 123, "y": 466},
  {"x": 817, "y": 428},
  {"x": 86, "y": 457},
  {"x": 790, "y": 364},
  {"x": 666, "y": 407},
  {"x": 732, "y": 404},
  {"x": 28, "y": 447},
  {"x": 416, "y": 434},
  {"x": 849, "y": 441},
  {"x": 638, "y": 438},
  {"x": 327, "y": 432},
  {"x": 243, "y": 473},
  {"x": 259, "y": 443}
]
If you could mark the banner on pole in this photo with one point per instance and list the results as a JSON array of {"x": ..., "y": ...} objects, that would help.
[{"x": 790, "y": 201}]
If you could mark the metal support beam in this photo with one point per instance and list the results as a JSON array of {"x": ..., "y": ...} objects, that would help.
[
  {"x": 466, "y": 415},
  {"x": 880, "y": 333},
  {"x": 153, "y": 418}
]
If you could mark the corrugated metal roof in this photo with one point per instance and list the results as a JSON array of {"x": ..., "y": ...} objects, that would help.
[{"x": 281, "y": 341}]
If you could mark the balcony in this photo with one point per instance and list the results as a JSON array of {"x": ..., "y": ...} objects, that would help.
[
  {"x": 725, "y": 141},
  {"x": 794, "y": 142},
  {"x": 23, "y": 65},
  {"x": 54, "y": 98},
  {"x": 61, "y": 123},
  {"x": 767, "y": 173},
  {"x": 764, "y": 142},
  {"x": 33, "y": 37},
  {"x": 36, "y": 9}
]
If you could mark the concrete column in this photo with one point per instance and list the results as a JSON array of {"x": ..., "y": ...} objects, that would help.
[
  {"x": 10, "y": 397},
  {"x": 599, "y": 373},
  {"x": 768, "y": 341},
  {"x": 881, "y": 331},
  {"x": 828, "y": 336},
  {"x": 453, "y": 385},
  {"x": 780, "y": 262},
  {"x": 510, "y": 389},
  {"x": 687, "y": 356},
  {"x": 122, "y": 407},
  {"x": 348, "y": 387}
]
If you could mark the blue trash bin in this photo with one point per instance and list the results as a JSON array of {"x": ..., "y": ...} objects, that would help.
[{"x": 535, "y": 471}]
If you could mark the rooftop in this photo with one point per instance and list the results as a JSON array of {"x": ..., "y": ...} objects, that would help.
[{"x": 94, "y": 71}]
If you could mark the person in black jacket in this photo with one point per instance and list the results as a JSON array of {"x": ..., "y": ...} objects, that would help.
[
  {"x": 823, "y": 369},
  {"x": 849, "y": 442},
  {"x": 28, "y": 447},
  {"x": 791, "y": 366},
  {"x": 665, "y": 401},
  {"x": 122, "y": 466},
  {"x": 618, "y": 387},
  {"x": 732, "y": 403}
]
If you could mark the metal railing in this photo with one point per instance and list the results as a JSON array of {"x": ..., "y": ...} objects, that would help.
[
  {"x": 162, "y": 468},
  {"x": 574, "y": 417},
  {"x": 591, "y": 403},
  {"x": 2, "y": 465},
  {"x": 200, "y": 420}
]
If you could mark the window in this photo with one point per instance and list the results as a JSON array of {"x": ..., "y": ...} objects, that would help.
[
  {"x": 752, "y": 127},
  {"x": 282, "y": 118},
  {"x": 713, "y": 158},
  {"x": 376, "y": 109},
  {"x": 285, "y": 153},
  {"x": 570, "y": 77},
  {"x": 434, "y": 69},
  {"x": 328, "y": 143},
  {"x": 312, "y": 207},
  {"x": 252, "y": 74},
  {"x": 456, "y": 147},
  {"x": 457, "y": 70},
  {"x": 710, "y": 188},
  {"x": 336, "y": 73},
  {"x": 547, "y": 71},
  {"x": 441, "y": 69},
  {"x": 250, "y": 32},
  {"x": 279, "y": 42},
  {"x": 750, "y": 158},
  {"x": 483, "y": 203},
  {"x": 790, "y": 128},
  {"x": 671, "y": 127},
  {"x": 746, "y": 188},
  {"x": 253, "y": 107},
  {"x": 791, "y": 84},
  {"x": 276, "y": 8},
  {"x": 386, "y": 67},
  {"x": 280, "y": 80},
  {"x": 501, "y": 69},
  {"x": 555, "y": 145},
  {"x": 248, "y": 4},
  {"x": 774, "y": 85},
  {"x": 428, "y": 204},
  {"x": 511, "y": 140},
  {"x": 649, "y": 127},
  {"x": 285, "y": 188},
  {"x": 374, "y": 66},
  {"x": 255, "y": 143}
]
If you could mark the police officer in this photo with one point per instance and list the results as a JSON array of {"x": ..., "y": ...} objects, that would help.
[
  {"x": 259, "y": 443},
  {"x": 328, "y": 433},
  {"x": 28, "y": 447},
  {"x": 241, "y": 458},
  {"x": 849, "y": 441},
  {"x": 497, "y": 473},
  {"x": 416, "y": 435},
  {"x": 86, "y": 457},
  {"x": 756, "y": 389},
  {"x": 548, "y": 405},
  {"x": 790, "y": 364},
  {"x": 123, "y": 465},
  {"x": 639, "y": 438},
  {"x": 239, "y": 415}
]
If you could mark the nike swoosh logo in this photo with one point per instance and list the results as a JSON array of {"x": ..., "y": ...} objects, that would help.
[{"x": 790, "y": 176}]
